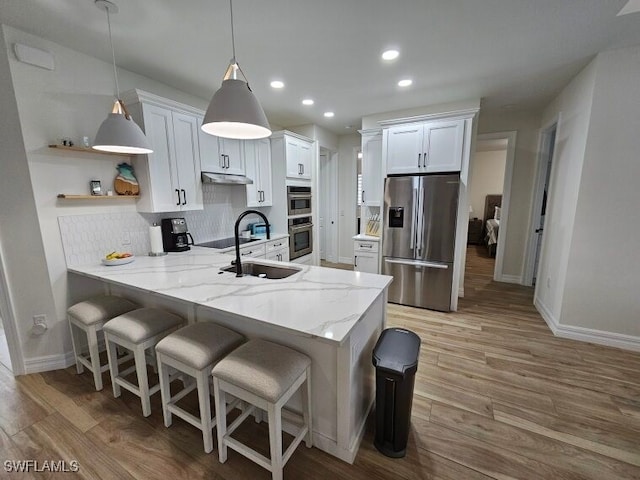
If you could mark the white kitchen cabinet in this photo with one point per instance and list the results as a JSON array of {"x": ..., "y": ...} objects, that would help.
[
  {"x": 372, "y": 168},
  {"x": 299, "y": 155},
  {"x": 428, "y": 147},
  {"x": 249, "y": 251},
  {"x": 257, "y": 155},
  {"x": 365, "y": 256},
  {"x": 230, "y": 150},
  {"x": 170, "y": 176},
  {"x": 278, "y": 250},
  {"x": 220, "y": 155}
]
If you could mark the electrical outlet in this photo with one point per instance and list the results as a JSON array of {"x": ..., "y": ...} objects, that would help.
[
  {"x": 40, "y": 319},
  {"x": 39, "y": 325},
  {"x": 126, "y": 238}
]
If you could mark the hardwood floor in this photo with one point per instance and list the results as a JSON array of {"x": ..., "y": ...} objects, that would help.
[{"x": 496, "y": 396}]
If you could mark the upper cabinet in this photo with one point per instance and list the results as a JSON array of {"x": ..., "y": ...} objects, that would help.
[
  {"x": 298, "y": 154},
  {"x": 170, "y": 176},
  {"x": 371, "y": 168},
  {"x": 257, "y": 154},
  {"x": 220, "y": 155},
  {"x": 428, "y": 147}
]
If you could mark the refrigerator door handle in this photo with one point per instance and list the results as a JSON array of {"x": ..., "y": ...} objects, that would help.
[
  {"x": 417, "y": 263},
  {"x": 420, "y": 220},
  {"x": 414, "y": 219}
]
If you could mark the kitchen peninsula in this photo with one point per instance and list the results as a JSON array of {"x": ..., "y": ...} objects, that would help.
[{"x": 334, "y": 316}]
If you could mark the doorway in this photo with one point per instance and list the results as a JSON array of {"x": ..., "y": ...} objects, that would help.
[
  {"x": 328, "y": 206},
  {"x": 10, "y": 351},
  {"x": 541, "y": 192}
]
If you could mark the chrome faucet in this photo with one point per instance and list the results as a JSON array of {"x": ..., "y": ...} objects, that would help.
[{"x": 237, "y": 236}]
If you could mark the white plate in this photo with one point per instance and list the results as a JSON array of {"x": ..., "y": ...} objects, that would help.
[{"x": 118, "y": 261}]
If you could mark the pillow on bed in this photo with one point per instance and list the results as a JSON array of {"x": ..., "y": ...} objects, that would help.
[{"x": 496, "y": 214}]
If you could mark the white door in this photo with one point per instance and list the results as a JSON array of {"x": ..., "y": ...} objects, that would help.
[
  {"x": 404, "y": 149},
  {"x": 292, "y": 154},
  {"x": 365, "y": 262},
  {"x": 306, "y": 154},
  {"x": 323, "y": 203},
  {"x": 231, "y": 149},
  {"x": 443, "y": 146},
  {"x": 543, "y": 207},
  {"x": 185, "y": 131}
]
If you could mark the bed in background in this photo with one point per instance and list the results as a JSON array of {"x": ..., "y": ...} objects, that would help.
[{"x": 492, "y": 211}]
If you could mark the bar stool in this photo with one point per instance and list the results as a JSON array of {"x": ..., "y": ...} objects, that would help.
[
  {"x": 137, "y": 331},
  {"x": 265, "y": 375},
  {"x": 194, "y": 350},
  {"x": 90, "y": 316}
]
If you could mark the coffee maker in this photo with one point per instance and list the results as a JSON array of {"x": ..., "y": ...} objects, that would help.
[{"x": 175, "y": 237}]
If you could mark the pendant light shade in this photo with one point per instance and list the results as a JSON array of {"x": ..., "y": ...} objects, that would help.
[
  {"x": 234, "y": 111},
  {"x": 118, "y": 133}
]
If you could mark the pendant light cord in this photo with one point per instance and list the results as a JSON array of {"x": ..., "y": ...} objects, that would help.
[
  {"x": 113, "y": 55},
  {"x": 233, "y": 39}
]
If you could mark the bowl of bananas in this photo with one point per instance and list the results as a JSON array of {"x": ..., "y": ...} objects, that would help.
[{"x": 117, "y": 258}]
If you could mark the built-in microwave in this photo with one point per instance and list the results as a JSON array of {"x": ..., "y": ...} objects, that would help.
[
  {"x": 299, "y": 200},
  {"x": 300, "y": 237}
]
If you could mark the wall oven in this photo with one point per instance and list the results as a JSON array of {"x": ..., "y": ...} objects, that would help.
[
  {"x": 299, "y": 200},
  {"x": 300, "y": 237}
]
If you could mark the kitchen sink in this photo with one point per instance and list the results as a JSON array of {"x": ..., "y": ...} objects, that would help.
[{"x": 263, "y": 271}]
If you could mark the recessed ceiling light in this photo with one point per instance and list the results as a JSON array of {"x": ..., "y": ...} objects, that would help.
[
  {"x": 329, "y": 114},
  {"x": 405, "y": 83},
  {"x": 390, "y": 54},
  {"x": 308, "y": 101},
  {"x": 277, "y": 84}
]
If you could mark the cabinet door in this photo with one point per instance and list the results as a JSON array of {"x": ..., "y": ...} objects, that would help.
[
  {"x": 263, "y": 150},
  {"x": 163, "y": 178},
  {"x": 281, "y": 255},
  {"x": 306, "y": 154},
  {"x": 293, "y": 154},
  {"x": 185, "y": 131},
  {"x": 443, "y": 146},
  {"x": 252, "y": 172},
  {"x": 372, "y": 171},
  {"x": 365, "y": 262},
  {"x": 232, "y": 148},
  {"x": 210, "y": 158},
  {"x": 404, "y": 149}
]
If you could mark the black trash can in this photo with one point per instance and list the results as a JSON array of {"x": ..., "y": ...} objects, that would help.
[{"x": 395, "y": 357}]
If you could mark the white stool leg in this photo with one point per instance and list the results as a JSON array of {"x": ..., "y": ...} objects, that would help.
[
  {"x": 165, "y": 391},
  {"x": 221, "y": 419},
  {"x": 113, "y": 365},
  {"x": 76, "y": 348},
  {"x": 94, "y": 355},
  {"x": 204, "y": 400},
  {"x": 143, "y": 380},
  {"x": 275, "y": 440},
  {"x": 306, "y": 408}
]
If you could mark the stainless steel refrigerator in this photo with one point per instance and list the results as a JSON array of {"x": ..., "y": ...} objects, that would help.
[{"x": 418, "y": 242}]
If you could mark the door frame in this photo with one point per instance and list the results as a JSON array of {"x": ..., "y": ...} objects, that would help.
[
  {"x": 9, "y": 323},
  {"x": 510, "y": 136},
  {"x": 538, "y": 194}
]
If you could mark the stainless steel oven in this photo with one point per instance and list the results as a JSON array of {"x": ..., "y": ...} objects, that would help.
[
  {"x": 299, "y": 200},
  {"x": 300, "y": 237}
]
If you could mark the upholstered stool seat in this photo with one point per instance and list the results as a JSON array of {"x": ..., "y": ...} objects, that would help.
[
  {"x": 265, "y": 375},
  {"x": 137, "y": 331},
  {"x": 194, "y": 350},
  {"x": 89, "y": 316}
]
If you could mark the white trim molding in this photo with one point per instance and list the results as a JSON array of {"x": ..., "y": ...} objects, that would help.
[
  {"x": 49, "y": 362},
  {"x": 452, "y": 115},
  {"x": 508, "y": 278},
  {"x": 583, "y": 334}
]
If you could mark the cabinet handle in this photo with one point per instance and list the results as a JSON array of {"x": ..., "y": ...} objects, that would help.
[
  {"x": 221, "y": 160},
  {"x": 355, "y": 261},
  {"x": 184, "y": 197},
  {"x": 228, "y": 162},
  {"x": 362, "y": 196},
  {"x": 178, "y": 192},
  {"x": 424, "y": 159},
  {"x": 303, "y": 168},
  {"x": 247, "y": 253},
  {"x": 419, "y": 158}
]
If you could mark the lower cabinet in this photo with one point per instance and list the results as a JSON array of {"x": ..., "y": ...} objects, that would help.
[
  {"x": 277, "y": 250},
  {"x": 365, "y": 256}
]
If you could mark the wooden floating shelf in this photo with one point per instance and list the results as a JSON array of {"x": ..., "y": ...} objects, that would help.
[
  {"x": 88, "y": 150},
  {"x": 96, "y": 197}
]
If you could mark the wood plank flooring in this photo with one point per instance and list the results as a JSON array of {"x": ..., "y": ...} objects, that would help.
[{"x": 496, "y": 396}]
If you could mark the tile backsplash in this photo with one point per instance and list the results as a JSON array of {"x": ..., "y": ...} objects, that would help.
[{"x": 87, "y": 238}]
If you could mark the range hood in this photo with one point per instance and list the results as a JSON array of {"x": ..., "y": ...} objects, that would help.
[{"x": 225, "y": 178}]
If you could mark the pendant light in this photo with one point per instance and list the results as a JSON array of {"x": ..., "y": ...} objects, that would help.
[
  {"x": 234, "y": 111},
  {"x": 118, "y": 133}
]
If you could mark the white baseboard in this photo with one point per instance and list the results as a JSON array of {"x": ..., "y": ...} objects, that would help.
[
  {"x": 509, "y": 278},
  {"x": 460, "y": 292},
  {"x": 48, "y": 362},
  {"x": 348, "y": 260},
  {"x": 590, "y": 335}
]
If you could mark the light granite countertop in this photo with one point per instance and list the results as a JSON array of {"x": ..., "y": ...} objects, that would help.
[{"x": 319, "y": 302}]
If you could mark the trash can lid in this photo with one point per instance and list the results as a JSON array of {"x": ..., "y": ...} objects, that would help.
[{"x": 397, "y": 351}]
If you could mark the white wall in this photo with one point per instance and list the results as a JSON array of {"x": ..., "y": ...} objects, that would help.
[
  {"x": 574, "y": 105},
  {"x": 603, "y": 263},
  {"x": 526, "y": 124},
  {"x": 487, "y": 178}
]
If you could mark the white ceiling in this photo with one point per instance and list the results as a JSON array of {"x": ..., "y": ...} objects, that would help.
[{"x": 508, "y": 52}]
